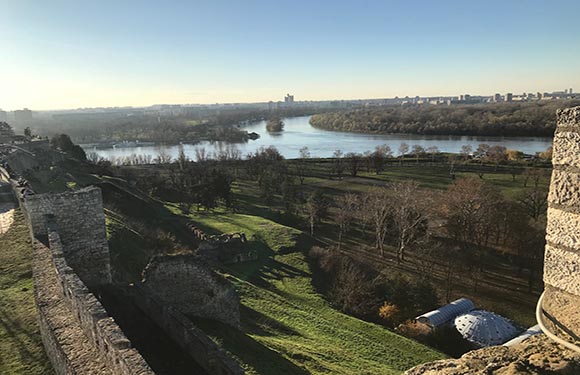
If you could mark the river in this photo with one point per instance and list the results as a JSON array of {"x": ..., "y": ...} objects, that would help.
[{"x": 299, "y": 133}]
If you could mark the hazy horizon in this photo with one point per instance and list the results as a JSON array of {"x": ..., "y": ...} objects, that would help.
[{"x": 66, "y": 54}]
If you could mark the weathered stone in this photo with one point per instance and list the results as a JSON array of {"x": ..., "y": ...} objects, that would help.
[
  {"x": 563, "y": 228},
  {"x": 566, "y": 149},
  {"x": 80, "y": 222},
  {"x": 569, "y": 117},
  {"x": 561, "y": 269},
  {"x": 536, "y": 355},
  {"x": 186, "y": 283},
  {"x": 564, "y": 308},
  {"x": 565, "y": 189}
]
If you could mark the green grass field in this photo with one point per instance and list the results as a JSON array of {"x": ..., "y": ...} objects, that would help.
[
  {"x": 287, "y": 327},
  {"x": 21, "y": 350}
]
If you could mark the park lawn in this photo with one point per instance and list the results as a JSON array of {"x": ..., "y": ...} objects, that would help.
[
  {"x": 21, "y": 350},
  {"x": 287, "y": 327}
]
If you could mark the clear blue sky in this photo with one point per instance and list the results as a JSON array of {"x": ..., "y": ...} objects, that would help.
[{"x": 69, "y": 54}]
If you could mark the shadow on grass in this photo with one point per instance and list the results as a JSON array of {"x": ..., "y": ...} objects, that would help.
[{"x": 253, "y": 354}]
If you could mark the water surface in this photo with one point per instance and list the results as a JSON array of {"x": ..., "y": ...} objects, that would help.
[{"x": 299, "y": 133}]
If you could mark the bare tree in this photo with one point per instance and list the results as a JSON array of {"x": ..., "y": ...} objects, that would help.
[
  {"x": 534, "y": 201},
  {"x": 347, "y": 207},
  {"x": 409, "y": 216},
  {"x": 378, "y": 208},
  {"x": 315, "y": 207},
  {"x": 432, "y": 150},
  {"x": 338, "y": 163},
  {"x": 163, "y": 157},
  {"x": 302, "y": 165},
  {"x": 200, "y": 154},
  {"x": 417, "y": 150},
  {"x": 354, "y": 161},
  {"x": 466, "y": 151},
  {"x": 403, "y": 150},
  {"x": 182, "y": 159}
]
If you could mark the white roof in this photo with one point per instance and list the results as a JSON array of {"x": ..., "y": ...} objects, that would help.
[
  {"x": 485, "y": 328},
  {"x": 446, "y": 313}
]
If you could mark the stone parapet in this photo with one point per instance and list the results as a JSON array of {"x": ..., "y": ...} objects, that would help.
[{"x": 562, "y": 258}]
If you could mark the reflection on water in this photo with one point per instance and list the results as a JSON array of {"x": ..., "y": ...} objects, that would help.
[{"x": 322, "y": 143}]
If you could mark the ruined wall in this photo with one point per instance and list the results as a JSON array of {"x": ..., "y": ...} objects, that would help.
[
  {"x": 81, "y": 224},
  {"x": 77, "y": 333},
  {"x": 187, "y": 284},
  {"x": 189, "y": 337},
  {"x": 562, "y": 258}
]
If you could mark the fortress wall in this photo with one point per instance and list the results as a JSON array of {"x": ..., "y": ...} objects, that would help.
[
  {"x": 81, "y": 224},
  {"x": 188, "y": 284},
  {"x": 97, "y": 335},
  {"x": 78, "y": 335},
  {"x": 562, "y": 257},
  {"x": 189, "y": 337}
]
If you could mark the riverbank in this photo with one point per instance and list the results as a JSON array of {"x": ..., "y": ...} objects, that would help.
[{"x": 298, "y": 133}]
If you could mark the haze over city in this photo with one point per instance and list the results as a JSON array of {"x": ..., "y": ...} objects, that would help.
[{"x": 67, "y": 54}]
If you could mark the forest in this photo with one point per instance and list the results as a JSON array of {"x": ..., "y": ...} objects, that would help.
[{"x": 501, "y": 119}]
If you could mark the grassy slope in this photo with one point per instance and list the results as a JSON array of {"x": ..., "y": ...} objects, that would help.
[
  {"x": 21, "y": 351},
  {"x": 288, "y": 328}
]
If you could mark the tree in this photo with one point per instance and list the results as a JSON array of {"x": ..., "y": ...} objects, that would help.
[
  {"x": 302, "y": 165},
  {"x": 163, "y": 157},
  {"x": 482, "y": 151},
  {"x": 466, "y": 151},
  {"x": 409, "y": 216},
  {"x": 390, "y": 313},
  {"x": 534, "y": 201},
  {"x": 182, "y": 159},
  {"x": 315, "y": 208},
  {"x": 433, "y": 150},
  {"x": 378, "y": 209},
  {"x": 403, "y": 150},
  {"x": 28, "y": 132},
  {"x": 354, "y": 161},
  {"x": 471, "y": 206},
  {"x": 338, "y": 163},
  {"x": 347, "y": 206},
  {"x": 275, "y": 124},
  {"x": 417, "y": 150}
]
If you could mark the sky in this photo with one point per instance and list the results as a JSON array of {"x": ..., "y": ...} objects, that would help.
[{"x": 63, "y": 54}]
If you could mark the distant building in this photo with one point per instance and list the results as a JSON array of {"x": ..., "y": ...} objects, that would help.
[
  {"x": 3, "y": 116},
  {"x": 509, "y": 97},
  {"x": 23, "y": 115},
  {"x": 497, "y": 98},
  {"x": 289, "y": 99},
  {"x": 571, "y": 92}
]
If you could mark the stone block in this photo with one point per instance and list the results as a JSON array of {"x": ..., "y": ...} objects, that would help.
[
  {"x": 565, "y": 189},
  {"x": 566, "y": 149},
  {"x": 563, "y": 228},
  {"x": 561, "y": 269},
  {"x": 569, "y": 117}
]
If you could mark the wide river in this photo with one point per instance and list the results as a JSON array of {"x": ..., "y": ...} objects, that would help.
[{"x": 299, "y": 133}]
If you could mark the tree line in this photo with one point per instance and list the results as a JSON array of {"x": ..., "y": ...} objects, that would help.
[{"x": 501, "y": 119}]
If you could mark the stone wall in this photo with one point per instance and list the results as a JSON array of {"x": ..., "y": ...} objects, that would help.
[
  {"x": 78, "y": 335},
  {"x": 562, "y": 258},
  {"x": 190, "y": 338},
  {"x": 81, "y": 224},
  {"x": 186, "y": 283}
]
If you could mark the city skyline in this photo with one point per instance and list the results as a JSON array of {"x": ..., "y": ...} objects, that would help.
[{"x": 63, "y": 55}]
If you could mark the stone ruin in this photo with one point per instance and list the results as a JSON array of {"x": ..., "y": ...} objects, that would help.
[
  {"x": 190, "y": 286},
  {"x": 225, "y": 248},
  {"x": 71, "y": 258}
]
